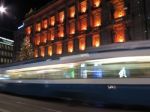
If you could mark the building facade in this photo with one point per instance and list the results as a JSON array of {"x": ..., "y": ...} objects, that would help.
[
  {"x": 19, "y": 36},
  {"x": 67, "y": 27},
  {"x": 6, "y": 50}
]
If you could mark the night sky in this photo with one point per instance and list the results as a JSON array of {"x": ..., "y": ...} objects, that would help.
[{"x": 16, "y": 12}]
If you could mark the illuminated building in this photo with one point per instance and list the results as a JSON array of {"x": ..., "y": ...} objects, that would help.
[
  {"x": 80, "y": 26},
  {"x": 6, "y": 50}
]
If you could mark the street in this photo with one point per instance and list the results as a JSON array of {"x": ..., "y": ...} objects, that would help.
[{"x": 10, "y": 103}]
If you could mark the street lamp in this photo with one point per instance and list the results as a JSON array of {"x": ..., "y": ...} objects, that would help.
[{"x": 2, "y": 9}]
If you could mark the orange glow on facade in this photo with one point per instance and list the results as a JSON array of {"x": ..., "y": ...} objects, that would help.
[
  {"x": 35, "y": 53},
  {"x": 61, "y": 31},
  {"x": 96, "y": 40},
  {"x": 44, "y": 37},
  {"x": 83, "y": 24},
  {"x": 96, "y": 3},
  {"x": 72, "y": 28},
  {"x": 38, "y": 27},
  {"x": 52, "y": 21},
  {"x": 83, "y": 6},
  {"x": 72, "y": 12},
  {"x": 51, "y": 34},
  {"x": 50, "y": 50},
  {"x": 28, "y": 30},
  {"x": 70, "y": 46},
  {"x": 76, "y": 27},
  {"x": 119, "y": 13},
  {"x": 59, "y": 48},
  {"x": 82, "y": 43},
  {"x": 96, "y": 19},
  {"x": 37, "y": 40},
  {"x": 42, "y": 49},
  {"x": 61, "y": 17},
  {"x": 45, "y": 23},
  {"x": 119, "y": 33},
  {"x": 118, "y": 8}
]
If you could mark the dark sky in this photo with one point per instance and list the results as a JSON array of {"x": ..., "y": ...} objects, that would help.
[{"x": 16, "y": 11}]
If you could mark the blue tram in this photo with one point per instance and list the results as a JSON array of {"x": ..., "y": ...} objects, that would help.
[{"x": 114, "y": 77}]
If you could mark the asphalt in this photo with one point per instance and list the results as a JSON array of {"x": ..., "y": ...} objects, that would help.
[{"x": 13, "y": 103}]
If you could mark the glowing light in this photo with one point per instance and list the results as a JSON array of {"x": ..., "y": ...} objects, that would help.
[
  {"x": 71, "y": 66},
  {"x": 83, "y": 6},
  {"x": 35, "y": 53},
  {"x": 84, "y": 27},
  {"x": 61, "y": 31},
  {"x": 96, "y": 3},
  {"x": 21, "y": 26},
  {"x": 45, "y": 22},
  {"x": 72, "y": 11},
  {"x": 70, "y": 46},
  {"x": 52, "y": 34},
  {"x": 119, "y": 13},
  {"x": 37, "y": 40},
  {"x": 82, "y": 44},
  {"x": 38, "y": 27},
  {"x": 72, "y": 27},
  {"x": 2, "y": 9},
  {"x": 61, "y": 17},
  {"x": 83, "y": 65},
  {"x": 96, "y": 40},
  {"x": 50, "y": 50},
  {"x": 59, "y": 48},
  {"x": 121, "y": 39},
  {"x": 119, "y": 33},
  {"x": 72, "y": 31},
  {"x": 122, "y": 73},
  {"x": 52, "y": 21},
  {"x": 83, "y": 24}
]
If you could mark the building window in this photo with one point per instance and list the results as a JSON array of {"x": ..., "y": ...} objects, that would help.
[
  {"x": 51, "y": 34},
  {"x": 72, "y": 27},
  {"x": 59, "y": 48},
  {"x": 45, "y": 24},
  {"x": 95, "y": 40},
  {"x": 72, "y": 12},
  {"x": 96, "y": 19},
  {"x": 70, "y": 46},
  {"x": 50, "y": 50},
  {"x": 38, "y": 27},
  {"x": 35, "y": 53},
  {"x": 83, "y": 24},
  {"x": 28, "y": 30},
  {"x": 61, "y": 17},
  {"x": 119, "y": 31},
  {"x": 119, "y": 13},
  {"x": 82, "y": 43},
  {"x": 37, "y": 39},
  {"x": 118, "y": 8},
  {"x": 52, "y": 21},
  {"x": 96, "y": 3},
  {"x": 61, "y": 31},
  {"x": 44, "y": 37},
  {"x": 83, "y": 6},
  {"x": 42, "y": 51}
]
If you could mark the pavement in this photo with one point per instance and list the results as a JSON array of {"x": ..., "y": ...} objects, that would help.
[{"x": 12, "y": 103}]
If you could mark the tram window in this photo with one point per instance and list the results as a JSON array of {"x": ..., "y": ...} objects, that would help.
[
  {"x": 88, "y": 70},
  {"x": 83, "y": 71},
  {"x": 70, "y": 73}
]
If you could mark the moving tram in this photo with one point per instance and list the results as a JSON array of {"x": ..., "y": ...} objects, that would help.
[{"x": 118, "y": 77}]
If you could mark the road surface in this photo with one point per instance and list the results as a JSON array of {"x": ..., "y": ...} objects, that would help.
[{"x": 11, "y": 103}]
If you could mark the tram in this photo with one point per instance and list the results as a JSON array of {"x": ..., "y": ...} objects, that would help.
[{"x": 117, "y": 77}]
